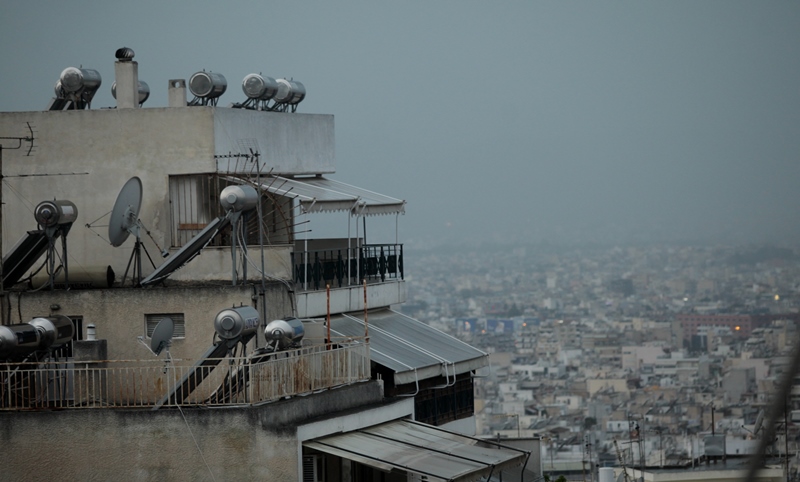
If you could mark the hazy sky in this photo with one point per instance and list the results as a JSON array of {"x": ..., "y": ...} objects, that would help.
[{"x": 563, "y": 121}]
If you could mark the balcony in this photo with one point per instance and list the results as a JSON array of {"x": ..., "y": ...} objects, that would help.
[
  {"x": 149, "y": 384},
  {"x": 340, "y": 266}
]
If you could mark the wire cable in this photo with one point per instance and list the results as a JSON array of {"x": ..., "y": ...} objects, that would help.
[{"x": 196, "y": 444}]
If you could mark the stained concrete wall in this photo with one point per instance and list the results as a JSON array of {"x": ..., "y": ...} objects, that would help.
[
  {"x": 119, "y": 313},
  {"x": 86, "y": 156},
  {"x": 288, "y": 143},
  {"x": 346, "y": 299},
  {"x": 256, "y": 443}
]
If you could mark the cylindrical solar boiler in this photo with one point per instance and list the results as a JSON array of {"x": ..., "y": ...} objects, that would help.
[
  {"x": 207, "y": 85},
  {"x": 285, "y": 332},
  {"x": 18, "y": 340},
  {"x": 259, "y": 87},
  {"x": 233, "y": 323},
  {"x": 290, "y": 92},
  {"x": 86, "y": 81},
  {"x": 38, "y": 334},
  {"x": 55, "y": 330},
  {"x": 238, "y": 198},
  {"x": 54, "y": 213}
]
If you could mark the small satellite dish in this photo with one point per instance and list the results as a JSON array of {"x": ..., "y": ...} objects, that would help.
[
  {"x": 162, "y": 335},
  {"x": 125, "y": 215},
  {"x": 759, "y": 422}
]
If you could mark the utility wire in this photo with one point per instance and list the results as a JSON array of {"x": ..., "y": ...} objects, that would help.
[{"x": 196, "y": 444}]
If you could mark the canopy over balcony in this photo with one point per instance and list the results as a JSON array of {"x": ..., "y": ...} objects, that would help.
[{"x": 320, "y": 194}]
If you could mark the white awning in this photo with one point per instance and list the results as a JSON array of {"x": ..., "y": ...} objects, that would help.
[
  {"x": 422, "y": 449},
  {"x": 320, "y": 194}
]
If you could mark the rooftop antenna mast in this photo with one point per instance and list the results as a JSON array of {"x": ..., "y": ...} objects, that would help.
[{"x": 19, "y": 142}]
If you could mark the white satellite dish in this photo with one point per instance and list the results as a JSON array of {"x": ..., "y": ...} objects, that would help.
[
  {"x": 124, "y": 221},
  {"x": 162, "y": 335},
  {"x": 759, "y": 422},
  {"x": 125, "y": 215}
]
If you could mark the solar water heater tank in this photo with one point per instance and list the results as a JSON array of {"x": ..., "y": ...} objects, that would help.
[{"x": 233, "y": 323}]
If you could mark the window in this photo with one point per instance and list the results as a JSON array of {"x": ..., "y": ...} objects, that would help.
[
  {"x": 194, "y": 203},
  {"x": 313, "y": 468},
  {"x": 151, "y": 320}
]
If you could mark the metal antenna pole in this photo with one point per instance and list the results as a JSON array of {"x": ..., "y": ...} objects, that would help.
[
  {"x": 261, "y": 241},
  {"x": 2, "y": 277}
]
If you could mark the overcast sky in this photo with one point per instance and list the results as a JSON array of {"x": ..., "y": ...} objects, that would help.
[{"x": 520, "y": 121}]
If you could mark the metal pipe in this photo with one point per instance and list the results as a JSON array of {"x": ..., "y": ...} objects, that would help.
[
  {"x": 328, "y": 315},
  {"x": 366, "y": 324}
]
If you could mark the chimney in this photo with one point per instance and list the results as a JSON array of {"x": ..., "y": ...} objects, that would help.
[
  {"x": 126, "y": 71},
  {"x": 177, "y": 93}
]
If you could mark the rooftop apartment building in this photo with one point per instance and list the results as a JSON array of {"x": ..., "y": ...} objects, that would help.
[{"x": 196, "y": 213}]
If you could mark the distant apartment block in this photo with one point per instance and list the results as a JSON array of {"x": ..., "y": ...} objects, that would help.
[{"x": 740, "y": 325}]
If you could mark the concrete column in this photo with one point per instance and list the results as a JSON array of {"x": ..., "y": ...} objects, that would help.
[
  {"x": 90, "y": 358},
  {"x": 177, "y": 93},
  {"x": 127, "y": 77}
]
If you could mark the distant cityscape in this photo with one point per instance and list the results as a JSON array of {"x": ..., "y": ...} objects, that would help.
[{"x": 662, "y": 356}]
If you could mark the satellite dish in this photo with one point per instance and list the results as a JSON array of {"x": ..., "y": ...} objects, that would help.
[
  {"x": 162, "y": 335},
  {"x": 125, "y": 215},
  {"x": 759, "y": 422}
]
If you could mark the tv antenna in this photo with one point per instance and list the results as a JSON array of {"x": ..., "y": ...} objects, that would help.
[{"x": 125, "y": 221}]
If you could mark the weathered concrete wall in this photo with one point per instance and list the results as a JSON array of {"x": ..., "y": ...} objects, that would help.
[
  {"x": 119, "y": 313},
  {"x": 289, "y": 143},
  {"x": 346, "y": 299},
  {"x": 104, "y": 148},
  {"x": 234, "y": 444},
  {"x": 214, "y": 263},
  {"x": 110, "y": 146}
]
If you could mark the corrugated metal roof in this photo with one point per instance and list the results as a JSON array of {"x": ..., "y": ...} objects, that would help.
[
  {"x": 422, "y": 449},
  {"x": 320, "y": 194},
  {"x": 410, "y": 348}
]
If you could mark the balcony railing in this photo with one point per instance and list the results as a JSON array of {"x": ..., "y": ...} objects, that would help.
[
  {"x": 347, "y": 266},
  {"x": 146, "y": 384}
]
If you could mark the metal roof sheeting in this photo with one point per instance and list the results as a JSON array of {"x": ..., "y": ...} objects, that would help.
[
  {"x": 421, "y": 449},
  {"x": 410, "y": 348},
  {"x": 320, "y": 194}
]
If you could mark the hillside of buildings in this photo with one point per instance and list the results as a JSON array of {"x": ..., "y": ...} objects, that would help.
[{"x": 657, "y": 355}]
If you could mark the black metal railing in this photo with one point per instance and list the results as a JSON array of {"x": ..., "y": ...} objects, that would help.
[{"x": 339, "y": 267}]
